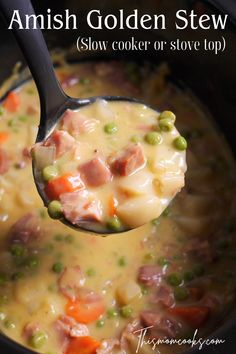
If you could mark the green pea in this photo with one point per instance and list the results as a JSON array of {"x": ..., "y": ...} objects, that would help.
[
  {"x": 126, "y": 311},
  {"x": 156, "y": 222},
  {"x": 166, "y": 212},
  {"x": 91, "y": 272},
  {"x": 163, "y": 261},
  {"x": 32, "y": 262},
  {"x": 199, "y": 270},
  {"x": 144, "y": 290},
  {"x": 188, "y": 276},
  {"x": 181, "y": 294},
  {"x": 57, "y": 267},
  {"x": 167, "y": 115},
  {"x": 122, "y": 262},
  {"x": 49, "y": 172},
  {"x": 18, "y": 250},
  {"x": 135, "y": 139},
  {"x": 23, "y": 118},
  {"x": 166, "y": 125},
  {"x": 114, "y": 224},
  {"x": 55, "y": 209},
  {"x": 100, "y": 323},
  {"x": 3, "y": 279},
  {"x": 9, "y": 324},
  {"x": 37, "y": 340},
  {"x": 180, "y": 143},
  {"x": 174, "y": 279},
  {"x": 153, "y": 138},
  {"x": 112, "y": 313},
  {"x": 110, "y": 128}
]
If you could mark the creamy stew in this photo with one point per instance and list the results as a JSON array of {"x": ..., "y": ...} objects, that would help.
[
  {"x": 111, "y": 166},
  {"x": 66, "y": 292}
]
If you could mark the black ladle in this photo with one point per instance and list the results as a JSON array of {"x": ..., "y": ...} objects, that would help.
[{"x": 53, "y": 100}]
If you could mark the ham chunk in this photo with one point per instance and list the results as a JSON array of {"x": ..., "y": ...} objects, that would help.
[
  {"x": 150, "y": 275},
  {"x": 25, "y": 230},
  {"x": 75, "y": 123},
  {"x": 95, "y": 172},
  {"x": 30, "y": 329},
  {"x": 162, "y": 326},
  {"x": 4, "y": 162},
  {"x": 163, "y": 295},
  {"x": 62, "y": 140},
  {"x": 70, "y": 282},
  {"x": 81, "y": 206},
  {"x": 68, "y": 326},
  {"x": 128, "y": 161}
]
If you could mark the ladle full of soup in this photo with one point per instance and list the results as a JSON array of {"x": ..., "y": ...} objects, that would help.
[{"x": 111, "y": 166}]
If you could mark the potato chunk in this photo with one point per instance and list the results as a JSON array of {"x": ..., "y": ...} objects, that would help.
[
  {"x": 137, "y": 184},
  {"x": 128, "y": 292},
  {"x": 138, "y": 211}
]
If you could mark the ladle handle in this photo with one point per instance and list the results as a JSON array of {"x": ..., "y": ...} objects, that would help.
[{"x": 35, "y": 51}]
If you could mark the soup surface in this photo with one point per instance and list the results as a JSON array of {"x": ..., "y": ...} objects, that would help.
[
  {"x": 111, "y": 166},
  {"x": 64, "y": 292}
]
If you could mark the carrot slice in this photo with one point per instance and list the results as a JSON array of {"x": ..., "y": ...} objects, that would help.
[
  {"x": 195, "y": 316},
  {"x": 12, "y": 102},
  {"x": 83, "y": 345},
  {"x": 64, "y": 184},
  {"x": 111, "y": 205},
  {"x": 3, "y": 137},
  {"x": 85, "y": 312}
]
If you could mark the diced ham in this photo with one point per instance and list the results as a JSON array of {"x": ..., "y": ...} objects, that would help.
[
  {"x": 107, "y": 345},
  {"x": 162, "y": 326},
  {"x": 164, "y": 295},
  {"x": 75, "y": 123},
  {"x": 95, "y": 172},
  {"x": 150, "y": 275},
  {"x": 62, "y": 140},
  {"x": 81, "y": 206},
  {"x": 70, "y": 282},
  {"x": 68, "y": 325},
  {"x": 25, "y": 230},
  {"x": 4, "y": 162},
  {"x": 30, "y": 329},
  {"x": 128, "y": 161}
]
